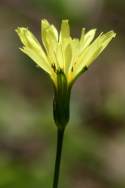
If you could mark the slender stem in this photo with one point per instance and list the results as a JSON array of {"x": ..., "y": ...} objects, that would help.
[{"x": 60, "y": 135}]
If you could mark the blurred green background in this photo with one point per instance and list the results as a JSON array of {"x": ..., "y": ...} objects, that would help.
[{"x": 94, "y": 146}]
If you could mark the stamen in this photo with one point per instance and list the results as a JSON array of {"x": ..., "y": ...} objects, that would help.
[
  {"x": 72, "y": 69},
  {"x": 53, "y": 67},
  {"x": 84, "y": 69}
]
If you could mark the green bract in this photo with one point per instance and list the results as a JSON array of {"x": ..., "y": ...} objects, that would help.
[{"x": 71, "y": 55}]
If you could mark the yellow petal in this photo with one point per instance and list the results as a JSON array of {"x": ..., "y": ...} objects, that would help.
[
  {"x": 75, "y": 46},
  {"x": 33, "y": 48},
  {"x": 68, "y": 57},
  {"x": 59, "y": 56},
  {"x": 87, "y": 38},
  {"x": 64, "y": 42},
  {"x": 65, "y": 30},
  {"x": 50, "y": 40},
  {"x": 48, "y": 33},
  {"x": 82, "y": 34},
  {"x": 93, "y": 51}
]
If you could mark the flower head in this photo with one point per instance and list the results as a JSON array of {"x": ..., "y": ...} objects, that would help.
[
  {"x": 61, "y": 51},
  {"x": 64, "y": 58}
]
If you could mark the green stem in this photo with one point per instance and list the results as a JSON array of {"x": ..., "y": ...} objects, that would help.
[{"x": 60, "y": 135}]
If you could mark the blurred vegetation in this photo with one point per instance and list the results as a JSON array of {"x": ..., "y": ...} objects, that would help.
[{"x": 94, "y": 147}]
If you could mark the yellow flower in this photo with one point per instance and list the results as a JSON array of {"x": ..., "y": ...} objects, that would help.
[
  {"x": 62, "y": 52},
  {"x": 64, "y": 58}
]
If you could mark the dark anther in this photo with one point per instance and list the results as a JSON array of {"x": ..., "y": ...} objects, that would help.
[
  {"x": 72, "y": 69},
  {"x": 53, "y": 67},
  {"x": 85, "y": 69}
]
